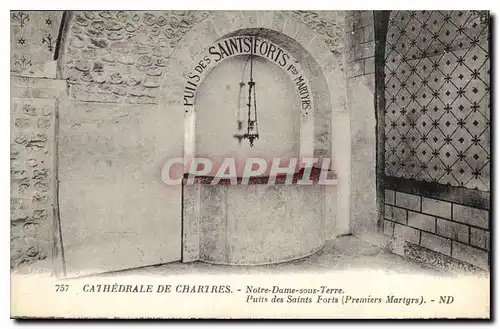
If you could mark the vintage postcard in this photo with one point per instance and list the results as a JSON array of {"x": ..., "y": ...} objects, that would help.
[{"x": 250, "y": 164}]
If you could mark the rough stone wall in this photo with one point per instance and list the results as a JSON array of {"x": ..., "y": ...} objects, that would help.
[
  {"x": 117, "y": 56},
  {"x": 437, "y": 131}
]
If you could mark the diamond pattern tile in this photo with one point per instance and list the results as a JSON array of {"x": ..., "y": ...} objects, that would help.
[{"x": 437, "y": 91}]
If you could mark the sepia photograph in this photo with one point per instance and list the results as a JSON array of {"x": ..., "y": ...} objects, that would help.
[{"x": 250, "y": 164}]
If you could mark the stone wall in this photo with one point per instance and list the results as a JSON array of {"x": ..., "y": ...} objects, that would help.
[
  {"x": 216, "y": 104},
  {"x": 437, "y": 109},
  {"x": 140, "y": 58},
  {"x": 318, "y": 36},
  {"x": 361, "y": 42},
  {"x": 34, "y": 229},
  {"x": 361, "y": 95},
  {"x": 35, "y": 99},
  {"x": 108, "y": 58},
  {"x": 436, "y": 224}
]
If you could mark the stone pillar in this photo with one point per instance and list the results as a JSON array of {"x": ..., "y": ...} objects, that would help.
[{"x": 34, "y": 212}]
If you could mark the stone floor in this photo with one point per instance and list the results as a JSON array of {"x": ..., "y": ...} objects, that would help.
[{"x": 343, "y": 253}]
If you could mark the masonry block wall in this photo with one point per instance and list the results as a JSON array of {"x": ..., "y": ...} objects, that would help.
[{"x": 448, "y": 228}]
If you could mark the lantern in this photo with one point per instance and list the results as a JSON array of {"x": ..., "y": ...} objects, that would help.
[{"x": 252, "y": 129}]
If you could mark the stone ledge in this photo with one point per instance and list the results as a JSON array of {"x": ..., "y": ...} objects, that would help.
[{"x": 280, "y": 179}]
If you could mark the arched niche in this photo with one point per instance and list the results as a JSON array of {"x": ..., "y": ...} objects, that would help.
[
  {"x": 315, "y": 118},
  {"x": 220, "y": 107}
]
